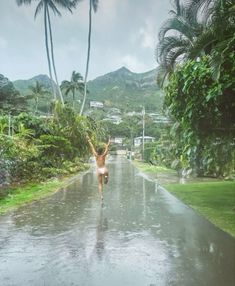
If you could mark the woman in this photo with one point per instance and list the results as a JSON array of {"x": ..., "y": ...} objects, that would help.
[{"x": 101, "y": 169}]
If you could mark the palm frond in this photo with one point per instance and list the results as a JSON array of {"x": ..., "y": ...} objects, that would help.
[
  {"x": 202, "y": 44},
  {"x": 64, "y": 84},
  {"x": 53, "y": 8},
  {"x": 176, "y": 24},
  {"x": 172, "y": 56},
  {"x": 76, "y": 76},
  {"x": 169, "y": 43},
  {"x": 95, "y": 5},
  {"x": 162, "y": 74},
  {"x": 22, "y": 2},
  {"x": 38, "y": 9},
  {"x": 67, "y": 4},
  {"x": 81, "y": 87},
  {"x": 198, "y": 4},
  {"x": 218, "y": 56},
  {"x": 74, "y": 3},
  {"x": 177, "y": 8},
  {"x": 66, "y": 87}
]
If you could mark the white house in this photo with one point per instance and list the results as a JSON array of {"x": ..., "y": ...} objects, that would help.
[
  {"x": 158, "y": 118},
  {"x": 114, "y": 111},
  {"x": 96, "y": 104},
  {"x": 138, "y": 140},
  {"x": 115, "y": 119},
  {"x": 117, "y": 140}
]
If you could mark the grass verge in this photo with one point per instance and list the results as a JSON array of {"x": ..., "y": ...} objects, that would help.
[
  {"x": 147, "y": 168},
  {"x": 215, "y": 201},
  {"x": 27, "y": 193}
]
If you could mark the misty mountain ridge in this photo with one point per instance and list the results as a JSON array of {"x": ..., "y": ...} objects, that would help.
[
  {"x": 123, "y": 75},
  {"x": 121, "y": 88},
  {"x": 23, "y": 84},
  {"x": 125, "y": 89}
]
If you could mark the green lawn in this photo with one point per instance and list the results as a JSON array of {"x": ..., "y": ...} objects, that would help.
[
  {"x": 19, "y": 196},
  {"x": 145, "y": 167},
  {"x": 214, "y": 200}
]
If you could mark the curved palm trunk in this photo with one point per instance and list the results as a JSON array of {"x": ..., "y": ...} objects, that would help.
[
  {"x": 47, "y": 50},
  {"x": 52, "y": 57},
  {"x": 88, "y": 59}
]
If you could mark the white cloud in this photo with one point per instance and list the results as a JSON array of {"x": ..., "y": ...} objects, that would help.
[
  {"x": 109, "y": 8},
  {"x": 147, "y": 40},
  {"x": 132, "y": 63},
  {"x": 148, "y": 35}
]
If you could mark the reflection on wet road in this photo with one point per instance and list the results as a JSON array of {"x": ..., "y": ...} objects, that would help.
[{"x": 142, "y": 236}]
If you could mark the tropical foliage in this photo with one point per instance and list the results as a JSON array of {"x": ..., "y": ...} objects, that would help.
[
  {"x": 43, "y": 147},
  {"x": 194, "y": 29},
  {"x": 199, "y": 62},
  {"x": 205, "y": 119}
]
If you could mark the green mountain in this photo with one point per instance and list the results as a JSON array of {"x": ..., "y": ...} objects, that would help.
[
  {"x": 23, "y": 85},
  {"x": 126, "y": 90},
  {"x": 44, "y": 103},
  {"x": 122, "y": 89}
]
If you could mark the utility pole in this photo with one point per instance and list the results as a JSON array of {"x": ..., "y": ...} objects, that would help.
[
  {"x": 143, "y": 131},
  {"x": 131, "y": 144}
]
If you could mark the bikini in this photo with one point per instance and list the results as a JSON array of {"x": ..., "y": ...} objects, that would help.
[{"x": 102, "y": 170}]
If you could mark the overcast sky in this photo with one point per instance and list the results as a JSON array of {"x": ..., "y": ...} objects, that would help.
[{"x": 124, "y": 34}]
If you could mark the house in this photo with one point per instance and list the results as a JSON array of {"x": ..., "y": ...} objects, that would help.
[
  {"x": 138, "y": 140},
  {"x": 96, "y": 104},
  {"x": 114, "y": 111},
  {"x": 158, "y": 118},
  {"x": 115, "y": 119},
  {"x": 117, "y": 140},
  {"x": 133, "y": 113}
]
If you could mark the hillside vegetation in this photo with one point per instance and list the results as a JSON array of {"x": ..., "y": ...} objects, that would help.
[
  {"x": 127, "y": 90},
  {"x": 121, "y": 88}
]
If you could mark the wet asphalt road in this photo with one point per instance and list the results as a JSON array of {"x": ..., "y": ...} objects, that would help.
[{"x": 142, "y": 236}]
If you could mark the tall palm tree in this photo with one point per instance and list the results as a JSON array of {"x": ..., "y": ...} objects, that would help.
[
  {"x": 37, "y": 91},
  {"x": 93, "y": 5},
  {"x": 75, "y": 84},
  {"x": 48, "y": 5}
]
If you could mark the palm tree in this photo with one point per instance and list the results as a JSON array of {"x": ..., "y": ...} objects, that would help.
[
  {"x": 37, "y": 91},
  {"x": 176, "y": 37},
  {"x": 75, "y": 84},
  {"x": 218, "y": 35},
  {"x": 199, "y": 26},
  {"x": 48, "y": 5},
  {"x": 93, "y": 5}
]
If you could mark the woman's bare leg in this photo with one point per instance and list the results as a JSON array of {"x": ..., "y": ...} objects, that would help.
[
  {"x": 100, "y": 186},
  {"x": 106, "y": 177}
]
